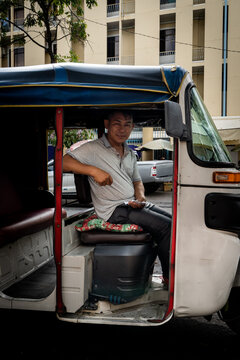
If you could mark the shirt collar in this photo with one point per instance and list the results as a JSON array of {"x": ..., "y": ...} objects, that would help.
[{"x": 108, "y": 145}]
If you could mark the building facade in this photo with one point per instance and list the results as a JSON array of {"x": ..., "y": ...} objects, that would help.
[{"x": 137, "y": 32}]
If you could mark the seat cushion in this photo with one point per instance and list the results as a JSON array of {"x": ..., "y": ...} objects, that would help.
[
  {"x": 106, "y": 237},
  {"x": 93, "y": 222}
]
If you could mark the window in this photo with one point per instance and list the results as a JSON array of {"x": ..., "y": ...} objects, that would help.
[
  {"x": 112, "y": 7},
  {"x": 167, "y": 4},
  {"x": 167, "y": 40},
  {"x": 207, "y": 144},
  {"x": 18, "y": 18},
  {"x": 54, "y": 47},
  {"x": 19, "y": 56},
  {"x": 113, "y": 47},
  {"x": 198, "y": 2}
]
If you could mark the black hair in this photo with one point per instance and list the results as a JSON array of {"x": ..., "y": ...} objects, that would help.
[{"x": 125, "y": 113}]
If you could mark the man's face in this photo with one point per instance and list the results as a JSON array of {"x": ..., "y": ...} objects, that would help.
[{"x": 119, "y": 128}]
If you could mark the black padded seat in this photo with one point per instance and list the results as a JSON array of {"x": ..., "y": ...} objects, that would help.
[
  {"x": 23, "y": 211},
  {"x": 93, "y": 237},
  {"x": 100, "y": 236}
]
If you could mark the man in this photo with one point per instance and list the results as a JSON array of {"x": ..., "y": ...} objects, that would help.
[{"x": 116, "y": 186}]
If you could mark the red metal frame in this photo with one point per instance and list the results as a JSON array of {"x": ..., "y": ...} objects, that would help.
[
  {"x": 174, "y": 226},
  {"x": 173, "y": 237},
  {"x": 60, "y": 308}
]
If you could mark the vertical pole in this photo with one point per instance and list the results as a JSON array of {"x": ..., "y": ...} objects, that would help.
[
  {"x": 225, "y": 59},
  {"x": 174, "y": 230},
  {"x": 60, "y": 308}
]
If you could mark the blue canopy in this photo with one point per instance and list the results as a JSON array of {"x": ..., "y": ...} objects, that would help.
[{"x": 71, "y": 84}]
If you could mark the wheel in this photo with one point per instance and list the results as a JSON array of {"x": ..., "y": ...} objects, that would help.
[
  {"x": 151, "y": 187},
  {"x": 230, "y": 313}
]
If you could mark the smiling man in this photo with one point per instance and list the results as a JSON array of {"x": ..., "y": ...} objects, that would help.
[{"x": 116, "y": 187}]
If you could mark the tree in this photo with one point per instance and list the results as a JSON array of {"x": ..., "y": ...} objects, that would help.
[
  {"x": 71, "y": 136},
  {"x": 52, "y": 20}
]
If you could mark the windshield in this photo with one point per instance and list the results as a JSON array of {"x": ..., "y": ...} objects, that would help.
[{"x": 206, "y": 142}]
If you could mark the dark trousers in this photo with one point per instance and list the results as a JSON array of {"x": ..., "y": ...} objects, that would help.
[{"x": 153, "y": 220}]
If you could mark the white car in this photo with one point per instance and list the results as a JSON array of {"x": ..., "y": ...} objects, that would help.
[{"x": 68, "y": 187}]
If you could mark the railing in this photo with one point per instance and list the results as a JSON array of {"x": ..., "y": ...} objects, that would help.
[
  {"x": 198, "y": 53},
  {"x": 19, "y": 22},
  {"x": 113, "y": 10},
  {"x": 159, "y": 133},
  {"x": 167, "y": 57},
  {"x": 198, "y": 2},
  {"x": 135, "y": 137},
  {"x": 128, "y": 60},
  {"x": 167, "y": 4},
  {"x": 114, "y": 60},
  {"x": 128, "y": 7}
]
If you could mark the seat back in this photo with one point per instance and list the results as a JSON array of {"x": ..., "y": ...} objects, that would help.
[{"x": 83, "y": 189}]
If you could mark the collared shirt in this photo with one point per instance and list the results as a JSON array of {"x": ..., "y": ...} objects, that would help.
[{"x": 123, "y": 171}]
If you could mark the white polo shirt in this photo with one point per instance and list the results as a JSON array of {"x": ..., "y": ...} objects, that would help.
[{"x": 123, "y": 171}]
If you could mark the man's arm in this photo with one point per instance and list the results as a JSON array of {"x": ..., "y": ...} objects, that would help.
[
  {"x": 139, "y": 191},
  {"x": 72, "y": 165},
  {"x": 139, "y": 195}
]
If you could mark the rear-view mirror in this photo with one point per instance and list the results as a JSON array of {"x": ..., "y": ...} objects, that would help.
[{"x": 173, "y": 120}]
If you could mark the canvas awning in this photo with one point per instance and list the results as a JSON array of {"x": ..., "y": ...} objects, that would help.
[
  {"x": 229, "y": 129},
  {"x": 70, "y": 84},
  {"x": 157, "y": 145}
]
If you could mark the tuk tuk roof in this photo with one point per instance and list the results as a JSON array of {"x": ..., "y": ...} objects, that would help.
[{"x": 71, "y": 84}]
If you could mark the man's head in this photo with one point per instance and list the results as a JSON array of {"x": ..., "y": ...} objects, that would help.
[{"x": 119, "y": 125}]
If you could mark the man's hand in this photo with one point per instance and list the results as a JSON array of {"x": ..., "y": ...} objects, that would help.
[
  {"x": 137, "y": 204},
  {"x": 140, "y": 200},
  {"x": 101, "y": 177}
]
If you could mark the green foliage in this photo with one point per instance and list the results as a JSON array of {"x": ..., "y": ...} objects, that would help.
[
  {"x": 50, "y": 16},
  {"x": 72, "y": 57},
  {"x": 71, "y": 136}
]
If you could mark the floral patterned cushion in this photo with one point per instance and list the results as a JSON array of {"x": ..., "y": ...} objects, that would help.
[{"x": 93, "y": 223}]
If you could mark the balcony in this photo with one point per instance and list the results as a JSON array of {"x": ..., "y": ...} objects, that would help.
[
  {"x": 167, "y": 4},
  {"x": 114, "y": 60},
  {"x": 128, "y": 7},
  {"x": 198, "y": 53},
  {"x": 113, "y": 10},
  {"x": 198, "y": 2},
  {"x": 167, "y": 57}
]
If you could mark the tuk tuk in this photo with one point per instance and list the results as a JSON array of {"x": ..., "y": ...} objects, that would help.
[{"x": 99, "y": 276}]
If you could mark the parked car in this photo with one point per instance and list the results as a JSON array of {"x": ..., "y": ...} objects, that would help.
[{"x": 153, "y": 174}]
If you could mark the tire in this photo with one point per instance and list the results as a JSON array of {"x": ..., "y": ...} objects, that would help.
[
  {"x": 230, "y": 313},
  {"x": 151, "y": 187}
]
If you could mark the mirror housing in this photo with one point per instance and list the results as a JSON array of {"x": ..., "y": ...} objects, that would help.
[{"x": 173, "y": 121}]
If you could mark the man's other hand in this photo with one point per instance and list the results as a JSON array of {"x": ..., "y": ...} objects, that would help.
[{"x": 137, "y": 204}]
